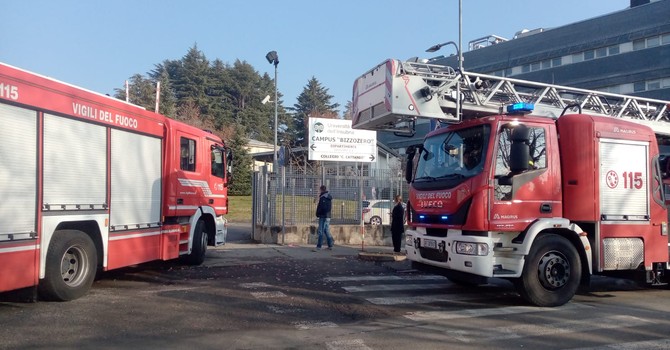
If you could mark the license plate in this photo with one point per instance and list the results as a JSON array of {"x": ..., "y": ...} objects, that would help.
[{"x": 430, "y": 243}]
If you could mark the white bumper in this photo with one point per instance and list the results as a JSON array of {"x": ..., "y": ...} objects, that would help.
[{"x": 452, "y": 253}]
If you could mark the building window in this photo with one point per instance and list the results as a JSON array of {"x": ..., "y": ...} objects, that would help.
[
  {"x": 588, "y": 55},
  {"x": 187, "y": 155},
  {"x": 665, "y": 38},
  {"x": 578, "y": 57},
  {"x": 638, "y": 44},
  {"x": 525, "y": 68},
  {"x": 535, "y": 66},
  {"x": 546, "y": 64},
  {"x": 556, "y": 62},
  {"x": 653, "y": 85},
  {"x": 601, "y": 52},
  {"x": 639, "y": 86},
  {"x": 654, "y": 41},
  {"x": 508, "y": 72},
  {"x": 613, "y": 50}
]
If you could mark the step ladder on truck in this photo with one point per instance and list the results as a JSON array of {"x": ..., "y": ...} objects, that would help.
[{"x": 541, "y": 184}]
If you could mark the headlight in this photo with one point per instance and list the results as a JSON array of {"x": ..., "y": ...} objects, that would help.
[
  {"x": 409, "y": 241},
  {"x": 469, "y": 248}
]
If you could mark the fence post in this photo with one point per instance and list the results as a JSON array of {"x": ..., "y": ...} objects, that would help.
[{"x": 283, "y": 201}]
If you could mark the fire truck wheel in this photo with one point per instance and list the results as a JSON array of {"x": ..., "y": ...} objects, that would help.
[
  {"x": 71, "y": 265},
  {"x": 197, "y": 256},
  {"x": 551, "y": 273},
  {"x": 375, "y": 220}
]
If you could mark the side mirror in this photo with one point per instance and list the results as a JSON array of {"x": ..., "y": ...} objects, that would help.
[
  {"x": 664, "y": 166},
  {"x": 409, "y": 168},
  {"x": 229, "y": 166},
  {"x": 519, "y": 158},
  {"x": 505, "y": 181},
  {"x": 409, "y": 165}
]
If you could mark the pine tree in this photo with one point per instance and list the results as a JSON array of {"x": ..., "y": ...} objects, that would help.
[
  {"x": 190, "y": 82},
  {"x": 168, "y": 102},
  {"x": 141, "y": 91},
  {"x": 242, "y": 162},
  {"x": 347, "y": 115},
  {"x": 218, "y": 92},
  {"x": 314, "y": 102}
]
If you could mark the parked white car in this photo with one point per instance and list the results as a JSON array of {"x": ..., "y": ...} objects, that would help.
[{"x": 377, "y": 212}]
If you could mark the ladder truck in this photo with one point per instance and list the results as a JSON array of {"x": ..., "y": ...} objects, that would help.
[
  {"x": 92, "y": 183},
  {"x": 540, "y": 184}
]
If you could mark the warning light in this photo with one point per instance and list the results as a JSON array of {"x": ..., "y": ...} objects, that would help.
[{"x": 520, "y": 108}]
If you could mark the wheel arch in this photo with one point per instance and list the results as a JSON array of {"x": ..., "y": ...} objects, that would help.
[
  {"x": 208, "y": 215},
  {"x": 564, "y": 228},
  {"x": 91, "y": 229}
]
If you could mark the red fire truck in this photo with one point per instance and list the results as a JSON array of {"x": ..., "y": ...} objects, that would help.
[
  {"x": 90, "y": 182},
  {"x": 544, "y": 200}
]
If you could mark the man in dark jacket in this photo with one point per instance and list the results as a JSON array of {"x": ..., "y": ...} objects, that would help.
[
  {"x": 397, "y": 223},
  {"x": 323, "y": 213}
]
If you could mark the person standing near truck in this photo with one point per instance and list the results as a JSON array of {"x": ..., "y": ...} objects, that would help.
[
  {"x": 323, "y": 210},
  {"x": 397, "y": 223}
]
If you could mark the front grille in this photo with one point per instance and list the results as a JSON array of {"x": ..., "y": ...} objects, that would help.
[{"x": 433, "y": 254}]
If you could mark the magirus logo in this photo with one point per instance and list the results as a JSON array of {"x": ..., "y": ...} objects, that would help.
[{"x": 504, "y": 217}]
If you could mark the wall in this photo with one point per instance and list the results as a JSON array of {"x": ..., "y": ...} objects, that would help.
[{"x": 342, "y": 234}]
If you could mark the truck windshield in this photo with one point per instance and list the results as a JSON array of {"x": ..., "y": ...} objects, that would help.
[{"x": 453, "y": 156}]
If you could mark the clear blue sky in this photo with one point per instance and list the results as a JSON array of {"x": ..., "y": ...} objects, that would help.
[{"x": 98, "y": 44}]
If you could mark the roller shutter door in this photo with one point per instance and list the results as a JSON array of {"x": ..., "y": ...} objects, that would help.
[
  {"x": 136, "y": 181},
  {"x": 18, "y": 172}
]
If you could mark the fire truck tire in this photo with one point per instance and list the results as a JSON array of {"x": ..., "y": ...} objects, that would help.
[
  {"x": 375, "y": 220},
  {"x": 71, "y": 266},
  {"x": 551, "y": 273},
  {"x": 197, "y": 256}
]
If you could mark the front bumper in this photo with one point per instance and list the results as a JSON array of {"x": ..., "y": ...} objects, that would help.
[{"x": 475, "y": 255}]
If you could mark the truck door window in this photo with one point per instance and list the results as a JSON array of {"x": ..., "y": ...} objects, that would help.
[
  {"x": 538, "y": 158},
  {"x": 187, "y": 154},
  {"x": 217, "y": 162}
]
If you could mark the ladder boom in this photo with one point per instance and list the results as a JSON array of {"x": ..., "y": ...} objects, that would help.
[{"x": 394, "y": 94}]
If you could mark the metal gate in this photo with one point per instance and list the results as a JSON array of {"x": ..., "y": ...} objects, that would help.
[{"x": 289, "y": 197}]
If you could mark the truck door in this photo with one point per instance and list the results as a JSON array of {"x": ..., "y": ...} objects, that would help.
[
  {"x": 217, "y": 177},
  {"x": 525, "y": 181}
]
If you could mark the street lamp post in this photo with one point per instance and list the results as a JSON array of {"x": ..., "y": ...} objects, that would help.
[
  {"x": 460, "y": 72},
  {"x": 460, "y": 55},
  {"x": 274, "y": 59}
]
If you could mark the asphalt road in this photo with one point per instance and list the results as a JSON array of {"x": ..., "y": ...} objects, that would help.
[{"x": 250, "y": 296}]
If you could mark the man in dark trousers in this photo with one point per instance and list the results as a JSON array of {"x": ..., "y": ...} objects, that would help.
[
  {"x": 323, "y": 213},
  {"x": 397, "y": 223}
]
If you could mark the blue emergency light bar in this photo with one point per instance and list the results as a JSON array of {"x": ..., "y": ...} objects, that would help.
[{"x": 520, "y": 108}]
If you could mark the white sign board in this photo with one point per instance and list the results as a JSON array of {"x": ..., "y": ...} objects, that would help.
[{"x": 335, "y": 140}]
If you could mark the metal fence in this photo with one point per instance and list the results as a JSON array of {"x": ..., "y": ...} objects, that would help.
[{"x": 289, "y": 197}]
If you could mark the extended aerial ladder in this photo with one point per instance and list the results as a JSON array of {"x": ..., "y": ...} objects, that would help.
[{"x": 395, "y": 94}]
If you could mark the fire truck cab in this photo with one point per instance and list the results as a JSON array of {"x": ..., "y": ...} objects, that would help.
[
  {"x": 91, "y": 182},
  {"x": 544, "y": 200}
]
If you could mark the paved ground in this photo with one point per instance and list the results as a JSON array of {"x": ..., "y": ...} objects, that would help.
[{"x": 251, "y": 296}]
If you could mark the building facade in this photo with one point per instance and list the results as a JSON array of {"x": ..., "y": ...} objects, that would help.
[{"x": 626, "y": 52}]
